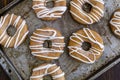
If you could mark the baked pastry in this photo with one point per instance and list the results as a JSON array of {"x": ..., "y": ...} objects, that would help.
[
  {"x": 47, "y": 43},
  {"x": 87, "y": 11},
  {"x": 47, "y": 69},
  {"x": 45, "y": 13},
  {"x": 20, "y": 34},
  {"x": 115, "y": 23},
  {"x": 86, "y": 45}
]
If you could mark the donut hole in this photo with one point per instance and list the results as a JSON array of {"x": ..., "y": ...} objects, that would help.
[
  {"x": 47, "y": 44},
  {"x": 11, "y": 30},
  {"x": 87, "y": 7},
  {"x": 47, "y": 77},
  {"x": 86, "y": 46},
  {"x": 49, "y": 4}
]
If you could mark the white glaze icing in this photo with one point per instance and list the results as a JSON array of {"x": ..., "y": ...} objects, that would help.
[
  {"x": 116, "y": 24},
  {"x": 46, "y": 67},
  {"x": 16, "y": 36},
  {"x": 41, "y": 38},
  {"x": 45, "y": 12},
  {"x": 93, "y": 51},
  {"x": 91, "y": 16}
]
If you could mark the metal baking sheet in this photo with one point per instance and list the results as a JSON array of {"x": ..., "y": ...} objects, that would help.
[
  {"x": 24, "y": 61},
  {"x": 8, "y": 67},
  {"x": 6, "y": 6}
]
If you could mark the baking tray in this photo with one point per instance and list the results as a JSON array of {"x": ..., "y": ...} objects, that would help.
[
  {"x": 7, "y": 5},
  {"x": 24, "y": 61}
]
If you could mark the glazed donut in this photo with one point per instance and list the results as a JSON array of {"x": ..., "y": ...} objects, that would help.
[
  {"x": 20, "y": 34},
  {"x": 76, "y": 45},
  {"x": 115, "y": 23},
  {"x": 47, "y": 69},
  {"x": 83, "y": 17},
  {"x": 47, "y": 43},
  {"x": 45, "y": 13}
]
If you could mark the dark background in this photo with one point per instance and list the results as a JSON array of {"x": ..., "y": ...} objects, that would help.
[
  {"x": 4, "y": 3},
  {"x": 112, "y": 74}
]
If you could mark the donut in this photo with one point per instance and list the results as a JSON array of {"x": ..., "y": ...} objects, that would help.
[
  {"x": 47, "y": 69},
  {"x": 89, "y": 39},
  {"x": 47, "y": 43},
  {"x": 20, "y": 34},
  {"x": 83, "y": 16},
  {"x": 46, "y": 13},
  {"x": 115, "y": 23}
]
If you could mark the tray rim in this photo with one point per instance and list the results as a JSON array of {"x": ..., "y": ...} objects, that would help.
[
  {"x": 104, "y": 68},
  {"x": 8, "y": 6}
]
